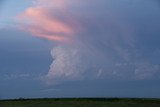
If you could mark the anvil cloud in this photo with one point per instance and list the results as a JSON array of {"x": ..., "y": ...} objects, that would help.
[{"x": 49, "y": 19}]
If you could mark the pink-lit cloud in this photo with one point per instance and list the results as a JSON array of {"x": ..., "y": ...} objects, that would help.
[{"x": 49, "y": 20}]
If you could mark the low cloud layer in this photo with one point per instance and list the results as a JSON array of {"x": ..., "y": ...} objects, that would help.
[{"x": 95, "y": 40}]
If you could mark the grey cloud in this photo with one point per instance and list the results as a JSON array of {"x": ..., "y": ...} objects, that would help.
[
  {"x": 116, "y": 41},
  {"x": 16, "y": 76},
  {"x": 146, "y": 71}
]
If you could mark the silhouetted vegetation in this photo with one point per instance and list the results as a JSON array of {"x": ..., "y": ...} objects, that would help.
[{"x": 81, "y": 102}]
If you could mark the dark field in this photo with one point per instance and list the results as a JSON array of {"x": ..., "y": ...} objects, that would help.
[{"x": 81, "y": 102}]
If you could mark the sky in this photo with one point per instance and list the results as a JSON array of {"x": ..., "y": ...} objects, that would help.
[{"x": 79, "y": 48}]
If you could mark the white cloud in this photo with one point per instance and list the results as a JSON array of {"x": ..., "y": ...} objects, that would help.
[
  {"x": 73, "y": 63},
  {"x": 65, "y": 66}
]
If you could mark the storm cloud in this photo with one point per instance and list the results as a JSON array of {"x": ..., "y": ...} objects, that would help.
[{"x": 97, "y": 40}]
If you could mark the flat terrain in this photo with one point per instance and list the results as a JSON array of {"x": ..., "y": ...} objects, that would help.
[{"x": 81, "y": 102}]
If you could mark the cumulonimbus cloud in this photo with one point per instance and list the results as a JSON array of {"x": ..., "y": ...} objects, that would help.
[
  {"x": 105, "y": 49},
  {"x": 52, "y": 20}
]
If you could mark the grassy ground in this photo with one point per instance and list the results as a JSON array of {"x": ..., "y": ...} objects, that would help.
[{"x": 81, "y": 102}]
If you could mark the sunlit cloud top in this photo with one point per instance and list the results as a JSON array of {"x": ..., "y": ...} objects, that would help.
[{"x": 49, "y": 20}]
